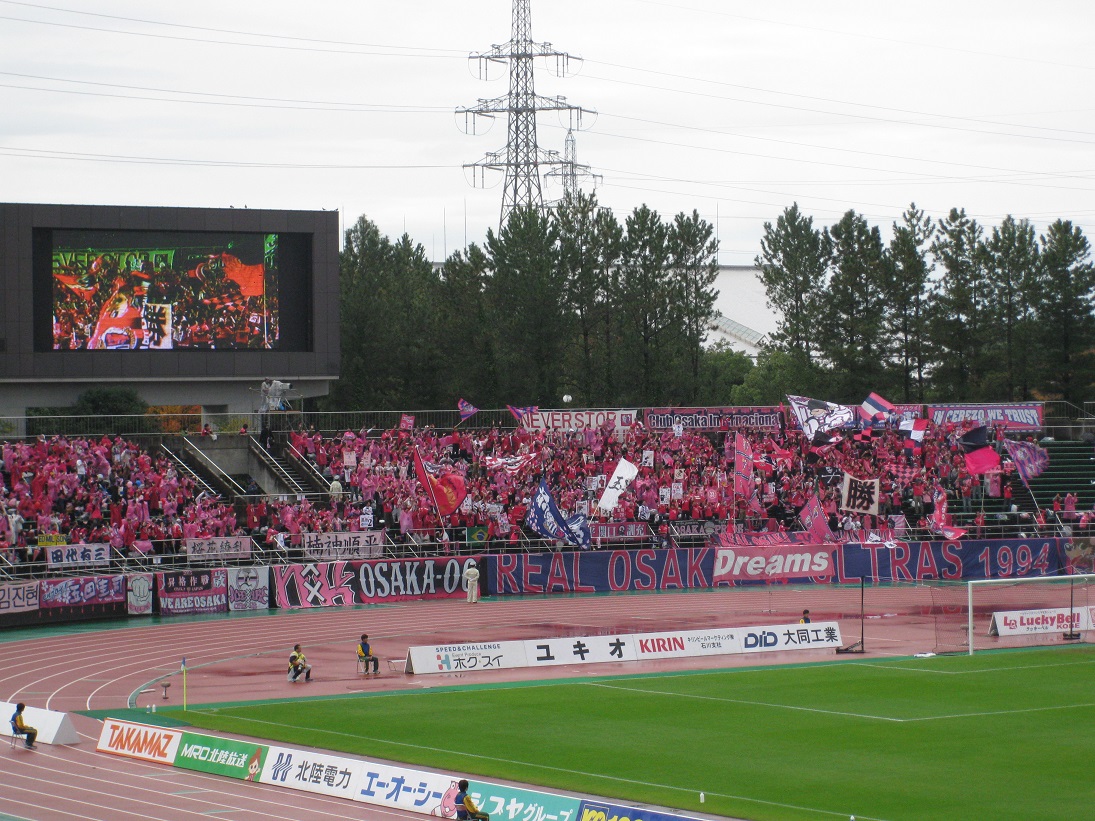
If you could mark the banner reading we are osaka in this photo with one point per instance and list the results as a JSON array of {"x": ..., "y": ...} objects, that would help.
[{"x": 338, "y": 584}]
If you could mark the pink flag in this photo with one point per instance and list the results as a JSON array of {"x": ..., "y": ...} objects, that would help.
[
  {"x": 982, "y": 460},
  {"x": 743, "y": 466},
  {"x": 814, "y": 521}
]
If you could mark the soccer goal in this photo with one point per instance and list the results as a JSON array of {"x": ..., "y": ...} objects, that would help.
[{"x": 1029, "y": 612}]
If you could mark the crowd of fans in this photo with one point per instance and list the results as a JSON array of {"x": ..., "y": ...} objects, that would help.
[{"x": 111, "y": 490}]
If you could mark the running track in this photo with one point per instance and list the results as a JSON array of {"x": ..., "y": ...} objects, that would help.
[{"x": 244, "y": 657}]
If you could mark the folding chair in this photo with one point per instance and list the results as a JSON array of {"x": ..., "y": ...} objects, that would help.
[
  {"x": 14, "y": 733},
  {"x": 361, "y": 664}
]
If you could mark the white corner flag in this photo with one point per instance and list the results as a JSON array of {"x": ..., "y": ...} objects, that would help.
[{"x": 621, "y": 478}]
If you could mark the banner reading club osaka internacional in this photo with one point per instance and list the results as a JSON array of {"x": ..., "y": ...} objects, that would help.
[
  {"x": 712, "y": 419},
  {"x": 338, "y": 584}
]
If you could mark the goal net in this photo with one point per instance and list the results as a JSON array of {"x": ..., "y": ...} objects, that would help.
[{"x": 1025, "y": 612}]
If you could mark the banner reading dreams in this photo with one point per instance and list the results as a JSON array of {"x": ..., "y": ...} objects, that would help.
[{"x": 339, "y": 584}]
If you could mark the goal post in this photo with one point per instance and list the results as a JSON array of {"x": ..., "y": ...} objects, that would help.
[{"x": 1032, "y": 611}]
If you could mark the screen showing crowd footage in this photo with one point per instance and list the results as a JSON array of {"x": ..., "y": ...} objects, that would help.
[{"x": 138, "y": 290}]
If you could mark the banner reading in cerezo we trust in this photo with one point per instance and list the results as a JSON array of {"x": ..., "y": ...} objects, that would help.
[{"x": 1022, "y": 416}]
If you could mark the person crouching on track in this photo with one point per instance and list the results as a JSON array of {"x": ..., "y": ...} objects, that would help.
[{"x": 298, "y": 665}]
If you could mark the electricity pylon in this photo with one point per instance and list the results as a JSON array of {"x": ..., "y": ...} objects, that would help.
[{"x": 521, "y": 159}]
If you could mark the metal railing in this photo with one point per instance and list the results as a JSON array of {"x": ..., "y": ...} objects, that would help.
[
  {"x": 1063, "y": 420},
  {"x": 233, "y": 486}
]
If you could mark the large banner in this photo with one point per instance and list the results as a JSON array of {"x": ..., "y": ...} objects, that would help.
[
  {"x": 184, "y": 592},
  {"x": 784, "y": 562},
  {"x": 712, "y": 419},
  {"x": 1048, "y": 620},
  {"x": 327, "y": 547},
  {"x": 217, "y": 549},
  {"x": 678, "y": 569},
  {"x": 353, "y": 779},
  {"x": 762, "y": 538},
  {"x": 221, "y": 756},
  {"x": 339, "y": 584},
  {"x": 248, "y": 588},
  {"x": 81, "y": 591},
  {"x": 157, "y": 745},
  {"x": 626, "y": 647},
  {"x": 619, "y": 531},
  {"x": 18, "y": 597},
  {"x": 77, "y": 555},
  {"x": 621, "y": 420},
  {"x": 600, "y": 810},
  {"x": 968, "y": 559},
  {"x": 1021, "y": 416},
  {"x": 138, "y": 592}
]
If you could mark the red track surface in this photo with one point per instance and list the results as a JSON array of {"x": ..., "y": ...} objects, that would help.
[{"x": 244, "y": 658}]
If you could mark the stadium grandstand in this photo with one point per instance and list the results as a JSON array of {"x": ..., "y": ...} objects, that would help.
[{"x": 100, "y": 499}]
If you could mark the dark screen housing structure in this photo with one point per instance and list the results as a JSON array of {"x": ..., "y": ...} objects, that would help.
[{"x": 185, "y": 305}]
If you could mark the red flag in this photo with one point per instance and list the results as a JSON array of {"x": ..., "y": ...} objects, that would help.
[
  {"x": 982, "y": 460},
  {"x": 446, "y": 491},
  {"x": 250, "y": 278}
]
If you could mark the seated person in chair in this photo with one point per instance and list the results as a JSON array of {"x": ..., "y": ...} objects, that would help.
[
  {"x": 365, "y": 656},
  {"x": 19, "y": 727}
]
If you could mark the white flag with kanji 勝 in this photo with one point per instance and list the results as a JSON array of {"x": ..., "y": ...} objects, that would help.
[{"x": 859, "y": 495}]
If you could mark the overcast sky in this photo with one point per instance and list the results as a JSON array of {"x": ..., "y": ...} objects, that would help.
[{"x": 733, "y": 109}]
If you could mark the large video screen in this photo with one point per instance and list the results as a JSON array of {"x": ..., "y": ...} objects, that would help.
[{"x": 148, "y": 290}]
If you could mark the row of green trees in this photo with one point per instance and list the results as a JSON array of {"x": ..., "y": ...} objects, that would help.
[
  {"x": 568, "y": 302},
  {"x": 946, "y": 310},
  {"x": 575, "y": 302}
]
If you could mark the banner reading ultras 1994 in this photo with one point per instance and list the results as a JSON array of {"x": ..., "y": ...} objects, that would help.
[{"x": 338, "y": 584}]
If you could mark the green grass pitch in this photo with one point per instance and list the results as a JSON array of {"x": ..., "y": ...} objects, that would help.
[{"x": 999, "y": 735}]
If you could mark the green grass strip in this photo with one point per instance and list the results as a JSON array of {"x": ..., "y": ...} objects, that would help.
[{"x": 997, "y": 735}]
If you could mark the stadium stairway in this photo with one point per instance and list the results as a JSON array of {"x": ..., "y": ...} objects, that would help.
[{"x": 1071, "y": 470}]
